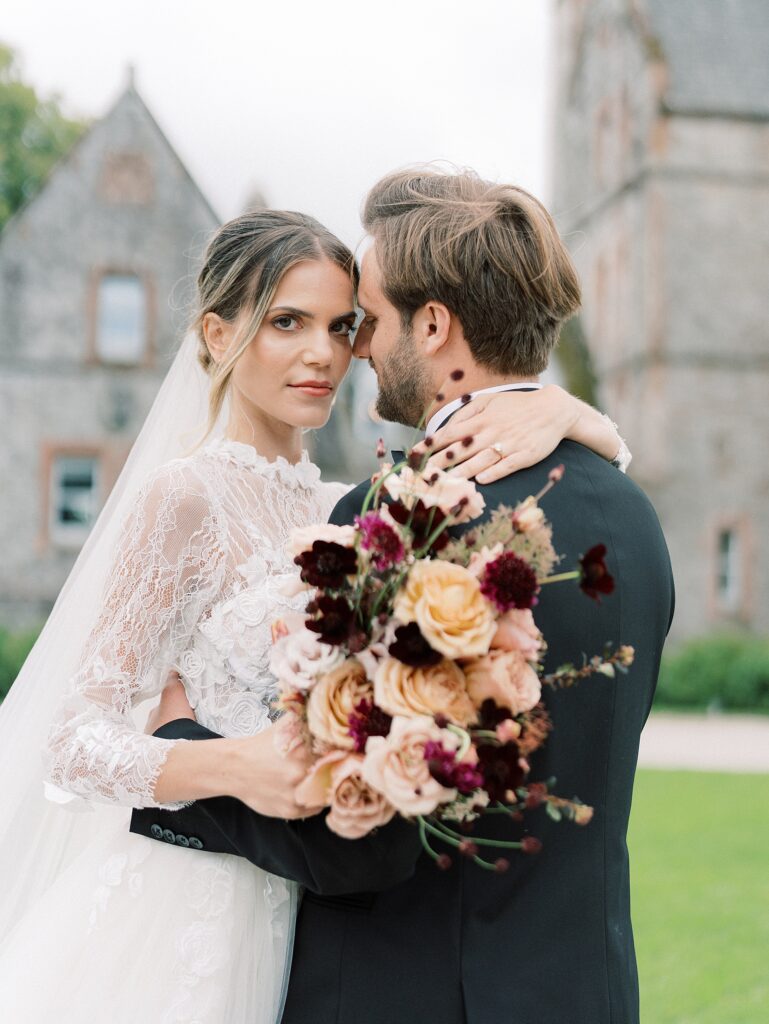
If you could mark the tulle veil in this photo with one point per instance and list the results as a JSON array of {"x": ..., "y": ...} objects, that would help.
[{"x": 42, "y": 829}]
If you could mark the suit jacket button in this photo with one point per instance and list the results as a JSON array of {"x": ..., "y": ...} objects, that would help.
[
  {"x": 195, "y": 843},
  {"x": 157, "y": 832},
  {"x": 169, "y": 836},
  {"x": 182, "y": 840}
]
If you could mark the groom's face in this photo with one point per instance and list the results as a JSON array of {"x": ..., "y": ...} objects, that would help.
[{"x": 388, "y": 345}]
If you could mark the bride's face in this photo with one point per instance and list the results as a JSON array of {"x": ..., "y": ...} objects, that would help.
[{"x": 297, "y": 359}]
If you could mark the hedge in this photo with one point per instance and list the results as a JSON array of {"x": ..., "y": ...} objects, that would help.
[
  {"x": 14, "y": 648},
  {"x": 728, "y": 671}
]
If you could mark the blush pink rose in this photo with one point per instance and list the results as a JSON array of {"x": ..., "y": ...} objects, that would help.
[
  {"x": 336, "y": 781},
  {"x": 395, "y": 765},
  {"x": 516, "y": 631},
  {"x": 505, "y": 677}
]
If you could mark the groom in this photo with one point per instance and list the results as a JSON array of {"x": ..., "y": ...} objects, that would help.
[{"x": 471, "y": 276}]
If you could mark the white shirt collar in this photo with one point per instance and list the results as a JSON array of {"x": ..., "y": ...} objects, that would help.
[{"x": 439, "y": 418}]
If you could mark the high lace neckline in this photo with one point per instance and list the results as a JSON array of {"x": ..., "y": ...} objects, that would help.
[{"x": 303, "y": 473}]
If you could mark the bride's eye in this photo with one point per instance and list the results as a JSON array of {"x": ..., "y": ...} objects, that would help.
[
  {"x": 285, "y": 322},
  {"x": 342, "y": 327}
]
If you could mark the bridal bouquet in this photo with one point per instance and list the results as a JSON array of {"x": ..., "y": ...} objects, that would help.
[{"x": 416, "y": 676}]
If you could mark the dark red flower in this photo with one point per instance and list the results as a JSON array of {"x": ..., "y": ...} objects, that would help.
[
  {"x": 411, "y": 648},
  {"x": 451, "y": 773},
  {"x": 509, "y": 582},
  {"x": 491, "y": 714},
  {"x": 368, "y": 720},
  {"x": 327, "y": 564},
  {"x": 596, "y": 578},
  {"x": 379, "y": 537},
  {"x": 423, "y": 522},
  {"x": 336, "y": 620},
  {"x": 500, "y": 768}
]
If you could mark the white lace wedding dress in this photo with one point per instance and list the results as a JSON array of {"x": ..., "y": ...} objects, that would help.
[{"x": 142, "y": 932}]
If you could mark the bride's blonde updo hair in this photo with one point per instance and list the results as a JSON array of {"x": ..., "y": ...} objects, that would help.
[{"x": 242, "y": 268}]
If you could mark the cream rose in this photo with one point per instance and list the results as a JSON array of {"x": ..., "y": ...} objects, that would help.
[
  {"x": 395, "y": 765},
  {"x": 506, "y": 677},
  {"x": 303, "y": 537},
  {"x": 299, "y": 659},
  {"x": 406, "y": 690},
  {"x": 445, "y": 600},
  {"x": 445, "y": 492},
  {"x": 516, "y": 631},
  {"x": 333, "y": 699}
]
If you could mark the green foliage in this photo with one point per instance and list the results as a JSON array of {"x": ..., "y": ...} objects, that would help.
[
  {"x": 34, "y": 135},
  {"x": 700, "y": 892},
  {"x": 14, "y": 648},
  {"x": 729, "y": 671}
]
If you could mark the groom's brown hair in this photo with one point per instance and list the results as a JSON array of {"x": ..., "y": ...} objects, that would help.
[{"x": 490, "y": 253}]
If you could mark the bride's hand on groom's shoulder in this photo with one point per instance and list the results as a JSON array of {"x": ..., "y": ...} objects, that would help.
[{"x": 498, "y": 434}]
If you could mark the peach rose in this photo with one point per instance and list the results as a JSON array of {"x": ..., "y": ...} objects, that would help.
[
  {"x": 336, "y": 781},
  {"x": 395, "y": 765},
  {"x": 445, "y": 600},
  {"x": 333, "y": 699},
  {"x": 506, "y": 677},
  {"x": 516, "y": 631},
  {"x": 445, "y": 492},
  {"x": 303, "y": 537},
  {"x": 406, "y": 690}
]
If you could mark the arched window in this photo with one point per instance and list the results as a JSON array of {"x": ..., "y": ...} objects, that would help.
[{"x": 121, "y": 319}]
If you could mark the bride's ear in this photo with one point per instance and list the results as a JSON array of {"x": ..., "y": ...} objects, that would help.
[{"x": 217, "y": 335}]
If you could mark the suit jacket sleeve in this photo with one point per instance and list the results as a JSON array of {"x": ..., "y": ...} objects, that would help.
[{"x": 306, "y": 851}]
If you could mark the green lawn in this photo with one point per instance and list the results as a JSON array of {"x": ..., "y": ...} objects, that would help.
[{"x": 699, "y": 849}]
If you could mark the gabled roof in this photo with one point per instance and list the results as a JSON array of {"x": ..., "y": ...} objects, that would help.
[{"x": 717, "y": 54}]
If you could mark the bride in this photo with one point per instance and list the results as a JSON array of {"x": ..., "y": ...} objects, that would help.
[{"x": 181, "y": 577}]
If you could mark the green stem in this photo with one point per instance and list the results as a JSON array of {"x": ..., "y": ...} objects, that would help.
[{"x": 560, "y": 577}]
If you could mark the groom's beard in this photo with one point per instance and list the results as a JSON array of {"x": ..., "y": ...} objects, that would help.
[{"x": 404, "y": 390}]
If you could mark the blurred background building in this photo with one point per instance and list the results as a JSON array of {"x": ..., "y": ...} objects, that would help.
[
  {"x": 660, "y": 181},
  {"x": 95, "y": 277},
  {"x": 661, "y": 187}
]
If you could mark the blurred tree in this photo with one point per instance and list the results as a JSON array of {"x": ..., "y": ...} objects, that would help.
[
  {"x": 575, "y": 362},
  {"x": 34, "y": 135}
]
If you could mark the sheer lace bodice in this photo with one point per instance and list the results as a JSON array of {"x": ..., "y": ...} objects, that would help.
[{"x": 198, "y": 579}]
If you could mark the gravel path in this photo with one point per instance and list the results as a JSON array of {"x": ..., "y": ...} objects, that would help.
[{"x": 721, "y": 743}]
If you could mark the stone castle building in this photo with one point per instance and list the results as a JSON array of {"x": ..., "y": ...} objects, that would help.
[
  {"x": 96, "y": 273},
  {"x": 662, "y": 190}
]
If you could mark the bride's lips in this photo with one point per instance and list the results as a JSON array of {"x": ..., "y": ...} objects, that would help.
[{"x": 316, "y": 388}]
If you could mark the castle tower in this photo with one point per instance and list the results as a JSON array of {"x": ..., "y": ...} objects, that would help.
[{"x": 661, "y": 189}]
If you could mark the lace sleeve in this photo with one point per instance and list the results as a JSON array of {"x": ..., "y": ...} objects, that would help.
[
  {"x": 168, "y": 569},
  {"x": 624, "y": 456}
]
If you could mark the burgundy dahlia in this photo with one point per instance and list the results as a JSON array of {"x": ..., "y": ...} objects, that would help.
[
  {"x": 368, "y": 720},
  {"x": 379, "y": 537},
  {"x": 500, "y": 768},
  {"x": 336, "y": 619},
  {"x": 596, "y": 578},
  {"x": 327, "y": 564},
  {"x": 509, "y": 582},
  {"x": 411, "y": 648}
]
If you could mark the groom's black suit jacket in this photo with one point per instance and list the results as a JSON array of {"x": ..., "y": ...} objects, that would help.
[{"x": 383, "y": 936}]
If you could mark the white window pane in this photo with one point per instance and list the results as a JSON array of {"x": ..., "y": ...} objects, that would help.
[
  {"x": 74, "y": 495},
  {"x": 122, "y": 318},
  {"x": 729, "y": 583}
]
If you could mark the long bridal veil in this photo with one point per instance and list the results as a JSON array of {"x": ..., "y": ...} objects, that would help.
[{"x": 41, "y": 830}]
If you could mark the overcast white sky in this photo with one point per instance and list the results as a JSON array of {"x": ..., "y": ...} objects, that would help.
[{"x": 308, "y": 102}]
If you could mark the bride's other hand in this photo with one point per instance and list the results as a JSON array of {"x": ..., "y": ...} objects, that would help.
[
  {"x": 270, "y": 767},
  {"x": 498, "y": 434},
  {"x": 173, "y": 704}
]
